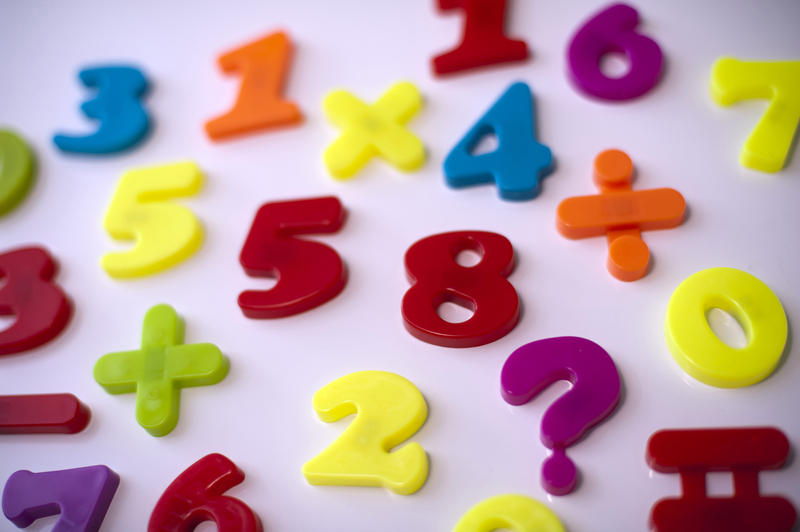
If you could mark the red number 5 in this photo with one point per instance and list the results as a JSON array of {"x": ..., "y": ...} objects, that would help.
[
  {"x": 40, "y": 307},
  {"x": 308, "y": 273},
  {"x": 437, "y": 278}
]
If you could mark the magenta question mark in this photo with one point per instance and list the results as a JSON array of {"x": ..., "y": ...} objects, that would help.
[{"x": 593, "y": 396}]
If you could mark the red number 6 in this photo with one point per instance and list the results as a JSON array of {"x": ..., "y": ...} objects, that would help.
[{"x": 198, "y": 494}]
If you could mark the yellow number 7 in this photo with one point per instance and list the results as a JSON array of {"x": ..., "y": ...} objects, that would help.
[
  {"x": 779, "y": 81},
  {"x": 165, "y": 233},
  {"x": 389, "y": 410}
]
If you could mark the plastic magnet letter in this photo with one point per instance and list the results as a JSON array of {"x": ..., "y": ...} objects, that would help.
[
  {"x": 612, "y": 30},
  {"x": 197, "y": 495},
  {"x": 82, "y": 497},
  {"x": 437, "y": 278},
  {"x": 593, "y": 397},
  {"x": 698, "y": 350},
  {"x": 373, "y": 130},
  {"x": 621, "y": 214},
  {"x": 118, "y": 108},
  {"x": 16, "y": 170},
  {"x": 157, "y": 371},
  {"x": 40, "y": 307},
  {"x": 768, "y": 146},
  {"x": 58, "y": 413},
  {"x": 510, "y": 511},
  {"x": 389, "y": 409},
  {"x": 262, "y": 66},
  {"x": 165, "y": 233},
  {"x": 483, "y": 42},
  {"x": 744, "y": 451},
  {"x": 519, "y": 162},
  {"x": 308, "y": 273}
]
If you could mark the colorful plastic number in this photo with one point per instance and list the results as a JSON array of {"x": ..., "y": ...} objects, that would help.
[
  {"x": 165, "y": 233},
  {"x": 744, "y": 451},
  {"x": 371, "y": 130},
  {"x": 593, "y": 397},
  {"x": 732, "y": 80},
  {"x": 698, "y": 350},
  {"x": 612, "y": 30},
  {"x": 16, "y": 170},
  {"x": 437, "y": 278},
  {"x": 510, "y": 511},
  {"x": 308, "y": 273},
  {"x": 197, "y": 495},
  {"x": 262, "y": 65},
  {"x": 157, "y": 371},
  {"x": 389, "y": 409},
  {"x": 621, "y": 214},
  {"x": 118, "y": 108},
  {"x": 82, "y": 497},
  {"x": 58, "y": 413},
  {"x": 40, "y": 307},
  {"x": 483, "y": 41},
  {"x": 519, "y": 162}
]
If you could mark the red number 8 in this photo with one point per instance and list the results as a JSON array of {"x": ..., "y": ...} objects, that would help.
[
  {"x": 40, "y": 307},
  {"x": 437, "y": 278}
]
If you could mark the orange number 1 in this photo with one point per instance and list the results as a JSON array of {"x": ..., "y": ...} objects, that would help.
[{"x": 262, "y": 65}]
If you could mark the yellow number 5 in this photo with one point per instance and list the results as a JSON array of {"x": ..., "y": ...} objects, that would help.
[
  {"x": 778, "y": 81},
  {"x": 165, "y": 233},
  {"x": 389, "y": 410}
]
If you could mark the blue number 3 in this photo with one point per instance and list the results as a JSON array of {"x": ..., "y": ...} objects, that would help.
[{"x": 118, "y": 108}]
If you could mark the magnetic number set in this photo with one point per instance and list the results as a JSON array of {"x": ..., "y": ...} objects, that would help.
[{"x": 379, "y": 447}]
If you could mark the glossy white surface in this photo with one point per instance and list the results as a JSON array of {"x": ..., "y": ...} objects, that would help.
[{"x": 260, "y": 416}]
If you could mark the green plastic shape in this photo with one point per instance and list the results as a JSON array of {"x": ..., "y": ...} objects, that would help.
[
  {"x": 158, "y": 370},
  {"x": 16, "y": 170}
]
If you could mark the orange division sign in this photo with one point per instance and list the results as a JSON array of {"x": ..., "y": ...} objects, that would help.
[{"x": 621, "y": 214}]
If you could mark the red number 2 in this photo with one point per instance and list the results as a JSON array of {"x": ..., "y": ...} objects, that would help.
[
  {"x": 40, "y": 307},
  {"x": 308, "y": 273},
  {"x": 437, "y": 278}
]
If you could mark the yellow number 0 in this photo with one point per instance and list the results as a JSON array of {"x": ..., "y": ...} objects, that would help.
[
  {"x": 389, "y": 409},
  {"x": 695, "y": 346},
  {"x": 165, "y": 233}
]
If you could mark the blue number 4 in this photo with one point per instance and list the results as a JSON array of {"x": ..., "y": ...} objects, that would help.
[{"x": 518, "y": 163}]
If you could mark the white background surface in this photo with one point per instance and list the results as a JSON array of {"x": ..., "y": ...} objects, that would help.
[{"x": 260, "y": 416}]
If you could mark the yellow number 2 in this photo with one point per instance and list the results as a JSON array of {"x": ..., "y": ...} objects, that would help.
[
  {"x": 165, "y": 233},
  {"x": 389, "y": 409},
  {"x": 778, "y": 81}
]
